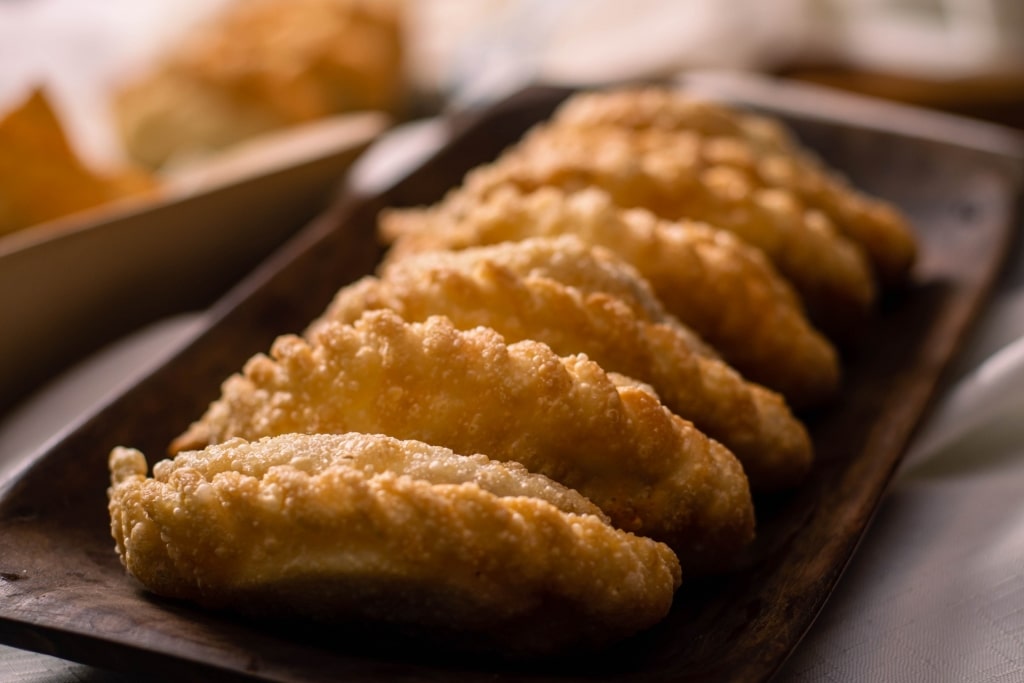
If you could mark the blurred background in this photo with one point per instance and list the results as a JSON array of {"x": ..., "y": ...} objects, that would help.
[
  {"x": 122, "y": 74},
  {"x": 114, "y": 103}
]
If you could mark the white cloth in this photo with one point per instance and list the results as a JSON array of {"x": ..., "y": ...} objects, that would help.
[{"x": 936, "y": 590}]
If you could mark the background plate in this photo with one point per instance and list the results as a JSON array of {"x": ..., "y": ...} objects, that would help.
[
  {"x": 63, "y": 591},
  {"x": 107, "y": 271}
]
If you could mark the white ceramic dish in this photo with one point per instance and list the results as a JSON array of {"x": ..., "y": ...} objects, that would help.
[{"x": 69, "y": 286}]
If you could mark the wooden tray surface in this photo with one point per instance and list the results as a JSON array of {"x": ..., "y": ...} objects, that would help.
[{"x": 63, "y": 591}]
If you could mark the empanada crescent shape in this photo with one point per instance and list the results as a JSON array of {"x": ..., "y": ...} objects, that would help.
[
  {"x": 474, "y": 288},
  {"x": 766, "y": 151},
  {"x": 668, "y": 178},
  {"x": 712, "y": 282},
  {"x": 606, "y": 436},
  {"x": 354, "y": 527}
]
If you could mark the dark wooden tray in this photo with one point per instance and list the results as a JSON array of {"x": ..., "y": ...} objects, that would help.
[{"x": 63, "y": 592}]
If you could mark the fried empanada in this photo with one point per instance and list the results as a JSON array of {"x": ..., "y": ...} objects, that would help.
[
  {"x": 570, "y": 260},
  {"x": 342, "y": 528},
  {"x": 474, "y": 288},
  {"x": 711, "y": 281},
  {"x": 671, "y": 109},
  {"x": 667, "y": 177},
  {"x": 607, "y": 436},
  {"x": 762, "y": 148},
  {"x": 261, "y": 66}
]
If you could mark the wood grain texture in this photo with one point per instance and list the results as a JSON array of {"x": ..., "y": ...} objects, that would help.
[{"x": 63, "y": 592}]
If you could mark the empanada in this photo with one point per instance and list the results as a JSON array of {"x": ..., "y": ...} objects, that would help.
[
  {"x": 720, "y": 287},
  {"x": 474, "y": 288},
  {"x": 343, "y": 528},
  {"x": 763, "y": 149},
  {"x": 607, "y": 436},
  {"x": 667, "y": 178}
]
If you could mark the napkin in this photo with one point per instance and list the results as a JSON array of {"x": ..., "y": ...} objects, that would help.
[{"x": 936, "y": 590}]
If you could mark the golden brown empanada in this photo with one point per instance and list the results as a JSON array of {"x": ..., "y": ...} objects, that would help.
[
  {"x": 474, "y": 288},
  {"x": 350, "y": 527},
  {"x": 764, "y": 150},
  {"x": 607, "y": 436},
  {"x": 720, "y": 287}
]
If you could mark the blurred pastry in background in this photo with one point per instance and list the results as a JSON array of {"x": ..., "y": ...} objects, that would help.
[
  {"x": 260, "y": 66},
  {"x": 41, "y": 175}
]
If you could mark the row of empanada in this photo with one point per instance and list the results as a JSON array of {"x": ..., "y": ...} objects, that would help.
[{"x": 568, "y": 315}]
